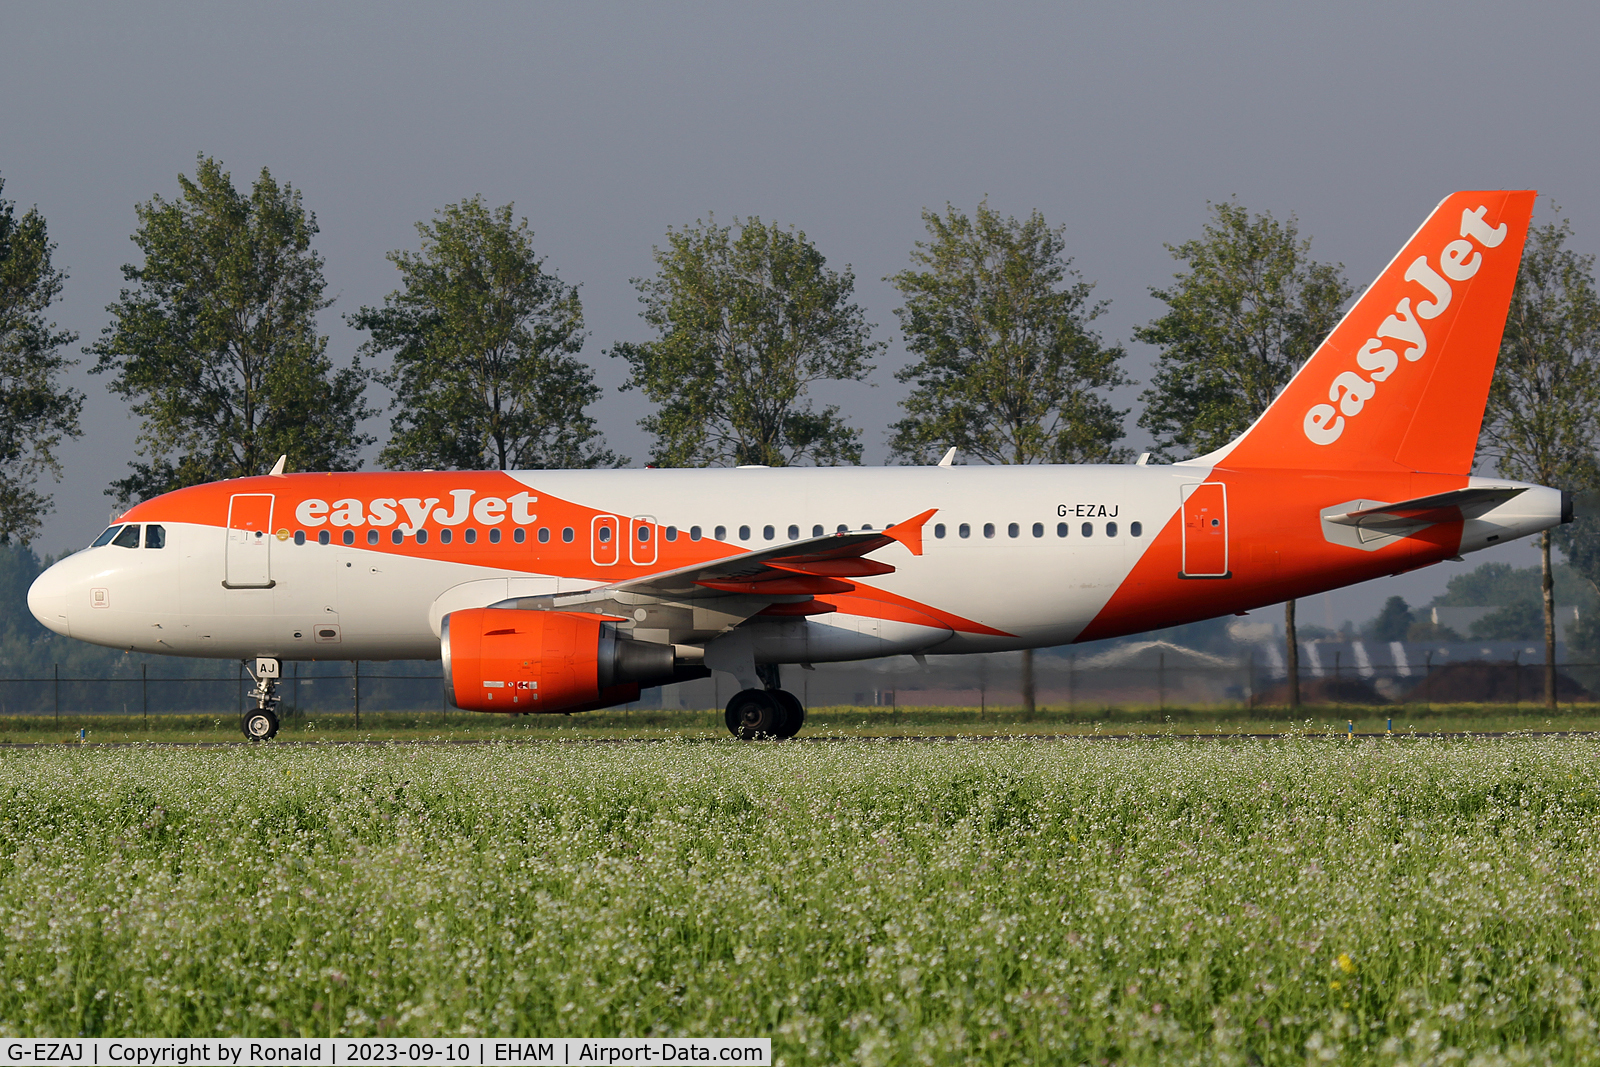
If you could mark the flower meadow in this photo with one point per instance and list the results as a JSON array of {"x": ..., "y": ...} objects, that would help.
[{"x": 1158, "y": 901}]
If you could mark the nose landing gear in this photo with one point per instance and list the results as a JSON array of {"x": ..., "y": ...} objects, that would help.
[{"x": 262, "y": 722}]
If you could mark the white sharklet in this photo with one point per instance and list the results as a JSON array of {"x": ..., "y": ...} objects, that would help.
[{"x": 1454, "y": 506}]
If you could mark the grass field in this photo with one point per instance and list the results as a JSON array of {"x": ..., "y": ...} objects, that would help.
[
  {"x": 820, "y": 722},
  {"x": 1152, "y": 901}
]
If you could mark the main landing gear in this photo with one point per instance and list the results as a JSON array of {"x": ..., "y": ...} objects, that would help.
[
  {"x": 765, "y": 713},
  {"x": 262, "y": 722}
]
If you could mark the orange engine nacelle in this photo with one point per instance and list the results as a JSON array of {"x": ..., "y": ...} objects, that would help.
[{"x": 506, "y": 659}]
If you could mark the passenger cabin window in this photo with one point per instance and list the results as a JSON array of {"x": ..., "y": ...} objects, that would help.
[
  {"x": 988, "y": 529},
  {"x": 1061, "y": 529},
  {"x": 1013, "y": 530},
  {"x": 299, "y": 539},
  {"x": 965, "y": 529},
  {"x": 694, "y": 533},
  {"x": 156, "y": 537},
  {"x": 1038, "y": 529},
  {"x": 422, "y": 536},
  {"x": 349, "y": 537},
  {"x": 494, "y": 536},
  {"x": 644, "y": 533},
  {"x": 128, "y": 538},
  {"x": 519, "y": 535},
  {"x": 938, "y": 530},
  {"x": 1136, "y": 529},
  {"x": 105, "y": 538},
  {"x": 322, "y": 537},
  {"x": 816, "y": 531},
  {"x": 720, "y": 534},
  {"x": 446, "y": 535},
  {"x": 396, "y": 537},
  {"x": 372, "y": 537},
  {"x": 471, "y": 536},
  {"x": 1088, "y": 529},
  {"x": 744, "y": 533},
  {"x": 605, "y": 535},
  {"x": 1111, "y": 529},
  {"x": 794, "y": 533},
  {"x": 567, "y": 534},
  {"x": 544, "y": 535},
  {"x": 843, "y": 528},
  {"x": 672, "y": 533},
  {"x": 768, "y": 533}
]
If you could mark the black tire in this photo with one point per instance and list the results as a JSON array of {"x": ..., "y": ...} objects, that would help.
[
  {"x": 794, "y": 713},
  {"x": 755, "y": 713},
  {"x": 259, "y": 725}
]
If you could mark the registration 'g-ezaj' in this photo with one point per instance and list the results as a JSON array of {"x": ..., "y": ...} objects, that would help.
[{"x": 557, "y": 591}]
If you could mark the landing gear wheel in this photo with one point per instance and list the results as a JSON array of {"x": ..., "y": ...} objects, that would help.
[
  {"x": 794, "y": 713},
  {"x": 259, "y": 724},
  {"x": 756, "y": 713},
  {"x": 262, "y": 723}
]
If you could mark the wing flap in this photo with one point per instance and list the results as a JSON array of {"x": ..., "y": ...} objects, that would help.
[{"x": 699, "y": 601}]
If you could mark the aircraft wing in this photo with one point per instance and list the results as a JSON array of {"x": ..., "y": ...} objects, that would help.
[
  {"x": 1454, "y": 506},
  {"x": 699, "y": 601}
]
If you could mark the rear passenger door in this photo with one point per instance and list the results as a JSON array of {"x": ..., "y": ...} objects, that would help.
[{"x": 1205, "y": 530}]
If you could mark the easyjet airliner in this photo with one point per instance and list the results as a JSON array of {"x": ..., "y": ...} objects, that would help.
[{"x": 558, "y": 591}]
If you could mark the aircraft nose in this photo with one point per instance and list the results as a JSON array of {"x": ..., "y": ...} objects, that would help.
[{"x": 47, "y": 599}]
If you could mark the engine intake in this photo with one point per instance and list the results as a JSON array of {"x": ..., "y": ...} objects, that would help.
[{"x": 507, "y": 660}]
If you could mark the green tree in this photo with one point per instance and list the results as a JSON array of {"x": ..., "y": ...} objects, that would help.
[
  {"x": 1250, "y": 308},
  {"x": 216, "y": 345},
  {"x": 1579, "y": 541},
  {"x": 746, "y": 322},
  {"x": 1393, "y": 622},
  {"x": 1425, "y": 630},
  {"x": 1007, "y": 368},
  {"x": 484, "y": 343},
  {"x": 1513, "y": 622},
  {"x": 1543, "y": 417},
  {"x": 36, "y": 410}
]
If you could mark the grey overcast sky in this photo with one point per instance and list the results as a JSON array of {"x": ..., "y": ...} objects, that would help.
[{"x": 607, "y": 123}]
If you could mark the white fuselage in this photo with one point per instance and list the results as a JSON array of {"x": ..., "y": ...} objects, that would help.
[{"x": 1030, "y": 556}]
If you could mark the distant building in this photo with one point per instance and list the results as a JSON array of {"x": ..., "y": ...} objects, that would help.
[{"x": 1460, "y": 619}]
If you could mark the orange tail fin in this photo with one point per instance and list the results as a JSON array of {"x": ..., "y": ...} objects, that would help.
[{"x": 1401, "y": 382}]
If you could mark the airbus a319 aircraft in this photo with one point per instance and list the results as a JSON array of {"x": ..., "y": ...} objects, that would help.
[{"x": 560, "y": 591}]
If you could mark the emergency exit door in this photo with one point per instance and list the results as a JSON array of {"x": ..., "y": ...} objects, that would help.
[
  {"x": 249, "y": 537},
  {"x": 604, "y": 543},
  {"x": 1205, "y": 530}
]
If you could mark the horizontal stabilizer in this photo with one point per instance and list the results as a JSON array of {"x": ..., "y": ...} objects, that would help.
[{"x": 1454, "y": 506}]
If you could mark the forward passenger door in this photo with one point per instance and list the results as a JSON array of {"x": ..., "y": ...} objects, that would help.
[{"x": 249, "y": 551}]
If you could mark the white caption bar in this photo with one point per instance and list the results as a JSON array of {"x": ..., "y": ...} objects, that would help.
[{"x": 335, "y": 1052}]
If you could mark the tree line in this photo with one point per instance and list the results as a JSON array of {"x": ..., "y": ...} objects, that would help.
[
  {"x": 215, "y": 346},
  {"x": 214, "y": 343}
]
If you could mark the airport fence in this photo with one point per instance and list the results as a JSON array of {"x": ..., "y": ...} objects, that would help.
[
  {"x": 358, "y": 688},
  {"x": 984, "y": 683},
  {"x": 1063, "y": 682}
]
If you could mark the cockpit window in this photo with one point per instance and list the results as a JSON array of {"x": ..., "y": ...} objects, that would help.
[
  {"x": 105, "y": 538},
  {"x": 155, "y": 536},
  {"x": 128, "y": 538}
]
